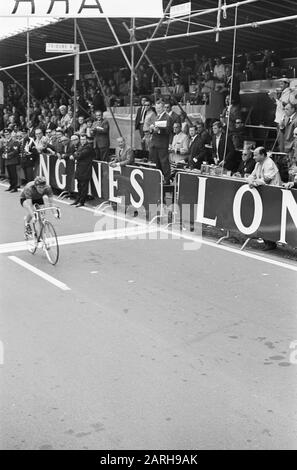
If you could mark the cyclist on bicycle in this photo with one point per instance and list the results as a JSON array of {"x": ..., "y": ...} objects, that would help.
[{"x": 33, "y": 193}]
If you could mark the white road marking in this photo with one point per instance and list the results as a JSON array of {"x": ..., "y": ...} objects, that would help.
[
  {"x": 40, "y": 273},
  {"x": 111, "y": 234},
  {"x": 197, "y": 239},
  {"x": 85, "y": 237}
]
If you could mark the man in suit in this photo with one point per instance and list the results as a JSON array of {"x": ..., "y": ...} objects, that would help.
[
  {"x": 124, "y": 154},
  {"x": 100, "y": 134},
  {"x": 161, "y": 132},
  {"x": 83, "y": 172},
  {"x": 287, "y": 126},
  {"x": 139, "y": 120},
  {"x": 231, "y": 161},
  {"x": 198, "y": 153},
  {"x": 178, "y": 89},
  {"x": 10, "y": 154},
  {"x": 174, "y": 117}
]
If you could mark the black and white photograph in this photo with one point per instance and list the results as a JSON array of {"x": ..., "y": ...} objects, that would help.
[{"x": 148, "y": 240}]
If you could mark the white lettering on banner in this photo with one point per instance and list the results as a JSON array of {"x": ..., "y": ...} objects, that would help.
[
  {"x": 113, "y": 184},
  {"x": 201, "y": 204},
  {"x": 44, "y": 167},
  {"x": 137, "y": 188},
  {"x": 82, "y": 8},
  {"x": 288, "y": 204},
  {"x": 97, "y": 180},
  {"x": 61, "y": 182},
  {"x": 258, "y": 210}
]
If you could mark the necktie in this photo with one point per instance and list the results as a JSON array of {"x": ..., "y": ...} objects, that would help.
[{"x": 142, "y": 113}]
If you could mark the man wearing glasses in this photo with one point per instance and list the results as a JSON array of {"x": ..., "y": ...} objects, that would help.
[{"x": 247, "y": 163}]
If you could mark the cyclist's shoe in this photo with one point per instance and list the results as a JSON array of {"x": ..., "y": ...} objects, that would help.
[{"x": 28, "y": 229}]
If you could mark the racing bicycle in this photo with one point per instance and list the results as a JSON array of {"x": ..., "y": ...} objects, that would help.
[{"x": 43, "y": 234}]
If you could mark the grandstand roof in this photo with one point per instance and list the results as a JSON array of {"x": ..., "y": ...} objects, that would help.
[{"x": 276, "y": 36}]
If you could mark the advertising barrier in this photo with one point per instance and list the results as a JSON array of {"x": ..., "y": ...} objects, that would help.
[
  {"x": 267, "y": 212},
  {"x": 129, "y": 185}
]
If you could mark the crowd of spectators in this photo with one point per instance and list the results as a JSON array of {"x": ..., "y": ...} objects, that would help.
[{"x": 168, "y": 137}]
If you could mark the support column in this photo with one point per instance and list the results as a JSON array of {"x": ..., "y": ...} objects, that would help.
[
  {"x": 132, "y": 39},
  {"x": 74, "y": 78},
  {"x": 28, "y": 72}
]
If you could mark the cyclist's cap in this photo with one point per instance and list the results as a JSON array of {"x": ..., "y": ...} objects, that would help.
[{"x": 40, "y": 181}]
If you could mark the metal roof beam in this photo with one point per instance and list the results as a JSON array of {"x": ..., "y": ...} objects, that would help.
[{"x": 254, "y": 24}]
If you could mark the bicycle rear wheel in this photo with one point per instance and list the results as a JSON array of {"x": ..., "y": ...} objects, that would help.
[
  {"x": 31, "y": 241},
  {"x": 50, "y": 242}
]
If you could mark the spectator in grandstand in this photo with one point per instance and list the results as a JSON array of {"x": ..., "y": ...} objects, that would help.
[
  {"x": 174, "y": 116},
  {"x": 28, "y": 156},
  {"x": 231, "y": 112},
  {"x": 83, "y": 173},
  {"x": 40, "y": 140},
  {"x": 123, "y": 155},
  {"x": 287, "y": 127},
  {"x": 290, "y": 185},
  {"x": 149, "y": 120},
  {"x": 179, "y": 146},
  {"x": 89, "y": 132},
  {"x": 198, "y": 152},
  {"x": 219, "y": 70},
  {"x": 81, "y": 125},
  {"x": 97, "y": 101},
  {"x": 281, "y": 98},
  {"x": 178, "y": 89},
  {"x": 204, "y": 66},
  {"x": 100, "y": 134},
  {"x": 139, "y": 120},
  {"x": 161, "y": 131},
  {"x": 238, "y": 134},
  {"x": 64, "y": 120},
  {"x": 265, "y": 172},
  {"x": 208, "y": 84},
  {"x": 10, "y": 151},
  {"x": 231, "y": 161},
  {"x": 247, "y": 163}
]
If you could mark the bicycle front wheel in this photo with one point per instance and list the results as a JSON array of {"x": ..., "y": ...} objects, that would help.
[{"x": 50, "y": 242}]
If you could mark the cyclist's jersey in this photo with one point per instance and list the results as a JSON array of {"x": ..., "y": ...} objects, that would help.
[{"x": 30, "y": 192}]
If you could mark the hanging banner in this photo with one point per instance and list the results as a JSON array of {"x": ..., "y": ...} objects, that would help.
[
  {"x": 128, "y": 185},
  {"x": 268, "y": 212},
  {"x": 82, "y": 8}
]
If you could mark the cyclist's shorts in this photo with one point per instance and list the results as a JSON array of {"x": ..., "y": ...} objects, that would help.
[{"x": 40, "y": 202}]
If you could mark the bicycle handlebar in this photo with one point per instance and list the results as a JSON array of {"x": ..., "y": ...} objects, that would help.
[{"x": 37, "y": 210}]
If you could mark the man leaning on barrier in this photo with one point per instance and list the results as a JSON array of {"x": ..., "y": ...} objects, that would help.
[
  {"x": 123, "y": 155},
  {"x": 265, "y": 172}
]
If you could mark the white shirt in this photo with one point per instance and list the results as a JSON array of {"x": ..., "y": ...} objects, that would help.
[{"x": 266, "y": 169}]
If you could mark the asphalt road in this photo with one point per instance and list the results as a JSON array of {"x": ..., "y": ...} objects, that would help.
[{"x": 153, "y": 346}]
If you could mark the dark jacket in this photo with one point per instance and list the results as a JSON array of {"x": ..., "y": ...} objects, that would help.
[
  {"x": 161, "y": 136},
  {"x": 246, "y": 167},
  {"x": 198, "y": 152},
  {"x": 232, "y": 159},
  {"x": 100, "y": 134},
  {"x": 11, "y": 152},
  {"x": 28, "y": 153},
  {"x": 84, "y": 158},
  {"x": 138, "y": 116}
]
